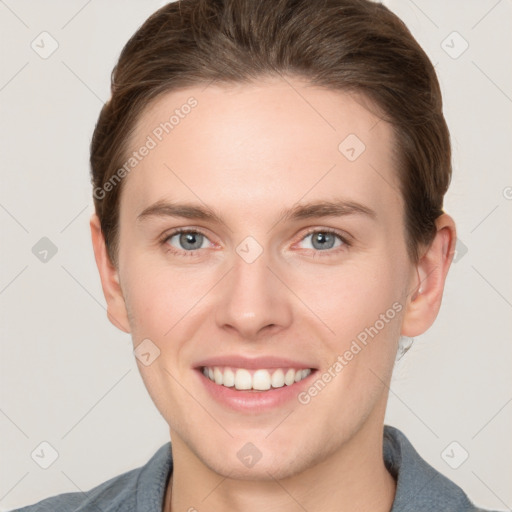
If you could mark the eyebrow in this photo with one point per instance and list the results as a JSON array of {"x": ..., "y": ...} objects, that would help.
[{"x": 314, "y": 209}]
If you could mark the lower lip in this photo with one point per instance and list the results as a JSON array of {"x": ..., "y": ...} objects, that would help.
[{"x": 254, "y": 401}]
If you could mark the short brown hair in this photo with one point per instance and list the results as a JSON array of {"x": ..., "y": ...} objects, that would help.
[{"x": 347, "y": 45}]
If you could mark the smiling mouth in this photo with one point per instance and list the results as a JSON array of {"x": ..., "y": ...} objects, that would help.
[{"x": 243, "y": 379}]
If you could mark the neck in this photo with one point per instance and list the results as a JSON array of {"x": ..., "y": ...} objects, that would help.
[{"x": 353, "y": 478}]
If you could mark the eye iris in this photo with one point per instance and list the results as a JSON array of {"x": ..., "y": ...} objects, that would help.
[
  {"x": 195, "y": 239},
  {"x": 326, "y": 240}
]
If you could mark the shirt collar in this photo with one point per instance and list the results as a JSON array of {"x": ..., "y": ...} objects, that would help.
[{"x": 419, "y": 485}]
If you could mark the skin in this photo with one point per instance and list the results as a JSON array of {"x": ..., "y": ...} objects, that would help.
[{"x": 248, "y": 152}]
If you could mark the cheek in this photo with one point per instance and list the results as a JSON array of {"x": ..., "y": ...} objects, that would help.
[
  {"x": 363, "y": 306},
  {"x": 158, "y": 298},
  {"x": 351, "y": 297}
]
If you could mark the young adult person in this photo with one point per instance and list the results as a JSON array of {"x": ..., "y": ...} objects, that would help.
[{"x": 268, "y": 179}]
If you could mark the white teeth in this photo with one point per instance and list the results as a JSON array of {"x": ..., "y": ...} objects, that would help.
[
  {"x": 278, "y": 379},
  {"x": 217, "y": 375},
  {"x": 229, "y": 378},
  {"x": 260, "y": 380},
  {"x": 243, "y": 379},
  {"x": 289, "y": 378}
]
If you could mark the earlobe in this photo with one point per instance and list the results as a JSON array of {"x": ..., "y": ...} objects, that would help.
[
  {"x": 425, "y": 297},
  {"x": 116, "y": 307}
]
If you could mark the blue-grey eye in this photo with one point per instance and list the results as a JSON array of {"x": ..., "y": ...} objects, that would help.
[
  {"x": 323, "y": 240},
  {"x": 188, "y": 241}
]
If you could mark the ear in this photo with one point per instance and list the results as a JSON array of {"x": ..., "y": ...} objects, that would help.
[
  {"x": 116, "y": 307},
  {"x": 428, "y": 285}
]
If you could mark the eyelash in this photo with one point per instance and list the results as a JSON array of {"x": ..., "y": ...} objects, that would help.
[{"x": 329, "y": 252}]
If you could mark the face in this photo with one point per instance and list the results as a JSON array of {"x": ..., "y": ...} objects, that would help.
[{"x": 293, "y": 258}]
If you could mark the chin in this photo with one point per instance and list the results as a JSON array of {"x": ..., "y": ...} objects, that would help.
[{"x": 276, "y": 469}]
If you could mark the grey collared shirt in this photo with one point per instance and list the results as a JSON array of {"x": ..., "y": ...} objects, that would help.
[{"x": 420, "y": 488}]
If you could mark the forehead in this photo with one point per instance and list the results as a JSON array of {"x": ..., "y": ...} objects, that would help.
[{"x": 251, "y": 146}]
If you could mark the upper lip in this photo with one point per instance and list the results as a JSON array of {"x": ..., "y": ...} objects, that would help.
[{"x": 238, "y": 361}]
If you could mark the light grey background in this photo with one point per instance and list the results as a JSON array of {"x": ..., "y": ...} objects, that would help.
[{"x": 68, "y": 377}]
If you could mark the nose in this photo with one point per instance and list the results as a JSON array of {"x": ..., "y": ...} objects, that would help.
[{"x": 254, "y": 301}]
